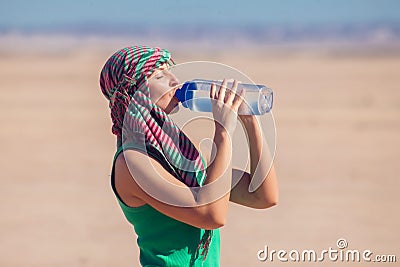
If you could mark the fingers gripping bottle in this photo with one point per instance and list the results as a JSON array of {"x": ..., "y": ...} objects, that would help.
[{"x": 195, "y": 95}]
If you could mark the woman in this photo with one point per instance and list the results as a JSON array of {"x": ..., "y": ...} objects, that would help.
[{"x": 175, "y": 199}]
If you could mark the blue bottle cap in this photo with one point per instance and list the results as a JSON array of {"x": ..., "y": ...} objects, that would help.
[
  {"x": 180, "y": 94},
  {"x": 184, "y": 94}
]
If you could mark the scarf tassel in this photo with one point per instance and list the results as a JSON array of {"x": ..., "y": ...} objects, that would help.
[{"x": 204, "y": 243}]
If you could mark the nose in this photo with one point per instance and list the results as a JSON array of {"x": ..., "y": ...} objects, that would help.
[{"x": 173, "y": 80}]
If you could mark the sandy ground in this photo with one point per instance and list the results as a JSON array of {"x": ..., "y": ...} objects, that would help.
[{"x": 337, "y": 118}]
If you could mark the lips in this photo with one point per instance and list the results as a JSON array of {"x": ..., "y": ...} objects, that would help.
[{"x": 174, "y": 97}]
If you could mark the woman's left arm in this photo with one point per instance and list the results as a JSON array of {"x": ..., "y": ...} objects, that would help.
[{"x": 259, "y": 188}]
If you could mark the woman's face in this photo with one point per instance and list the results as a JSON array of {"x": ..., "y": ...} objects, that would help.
[{"x": 163, "y": 84}]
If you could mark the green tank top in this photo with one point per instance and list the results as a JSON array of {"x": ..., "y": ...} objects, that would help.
[{"x": 164, "y": 241}]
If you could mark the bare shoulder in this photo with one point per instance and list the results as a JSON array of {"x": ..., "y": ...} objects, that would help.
[{"x": 124, "y": 183}]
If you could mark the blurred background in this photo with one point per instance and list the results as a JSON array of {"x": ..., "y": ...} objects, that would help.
[{"x": 333, "y": 66}]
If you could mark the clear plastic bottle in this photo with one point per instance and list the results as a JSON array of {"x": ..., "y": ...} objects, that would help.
[{"x": 195, "y": 95}]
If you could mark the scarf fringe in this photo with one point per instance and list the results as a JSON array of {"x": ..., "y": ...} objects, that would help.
[{"x": 204, "y": 243}]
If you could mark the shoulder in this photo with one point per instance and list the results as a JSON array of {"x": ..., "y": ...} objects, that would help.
[{"x": 125, "y": 184}]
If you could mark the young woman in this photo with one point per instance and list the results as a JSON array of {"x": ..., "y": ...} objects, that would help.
[{"x": 175, "y": 198}]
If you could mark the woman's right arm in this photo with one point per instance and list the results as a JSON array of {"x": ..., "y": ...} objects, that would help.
[
  {"x": 205, "y": 208},
  {"x": 154, "y": 185}
]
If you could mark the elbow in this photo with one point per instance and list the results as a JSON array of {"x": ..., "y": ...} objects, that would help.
[
  {"x": 267, "y": 202},
  {"x": 213, "y": 215},
  {"x": 267, "y": 199},
  {"x": 214, "y": 221},
  {"x": 213, "y": 225}
]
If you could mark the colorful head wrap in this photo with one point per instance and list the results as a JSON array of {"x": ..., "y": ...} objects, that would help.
[{"x": 137, "y": 120}]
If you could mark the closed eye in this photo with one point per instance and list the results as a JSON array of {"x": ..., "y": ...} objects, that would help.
[{"x": 159, "y": 74}]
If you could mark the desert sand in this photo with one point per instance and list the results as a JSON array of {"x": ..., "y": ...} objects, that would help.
[{"x": 337, "y": 117}]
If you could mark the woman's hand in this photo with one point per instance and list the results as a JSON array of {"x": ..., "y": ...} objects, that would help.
[{"x": 225, "y": 105}]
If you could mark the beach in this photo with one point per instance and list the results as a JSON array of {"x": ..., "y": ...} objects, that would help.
[{"x": 337, "y": 122}]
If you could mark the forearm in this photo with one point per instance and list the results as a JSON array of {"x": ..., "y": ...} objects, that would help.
[
  {"x": 222, "y": 154},
  {"x": 218, "y": 182},
  {"x": 263, "y": 179},
  {"x": 255, "y": 140}
]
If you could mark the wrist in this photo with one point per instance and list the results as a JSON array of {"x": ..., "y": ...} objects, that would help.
[{"x": 248, "y": 120}]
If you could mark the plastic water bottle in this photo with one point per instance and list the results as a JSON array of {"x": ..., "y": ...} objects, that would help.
[{"x": 195, "y": 95}]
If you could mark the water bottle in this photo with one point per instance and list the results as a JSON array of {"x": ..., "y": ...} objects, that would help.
[{"x": 195, "y": 95}]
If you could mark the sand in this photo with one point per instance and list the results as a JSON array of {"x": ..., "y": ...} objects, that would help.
[{"x": 337, "y": 116}]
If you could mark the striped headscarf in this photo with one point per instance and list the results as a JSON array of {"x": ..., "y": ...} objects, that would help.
[{"x": 139, "y": 121}]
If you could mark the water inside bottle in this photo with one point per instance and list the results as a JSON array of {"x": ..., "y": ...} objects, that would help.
[
  {"x": 252, "y": 104},
  {"x": 201, "y": 101}
]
